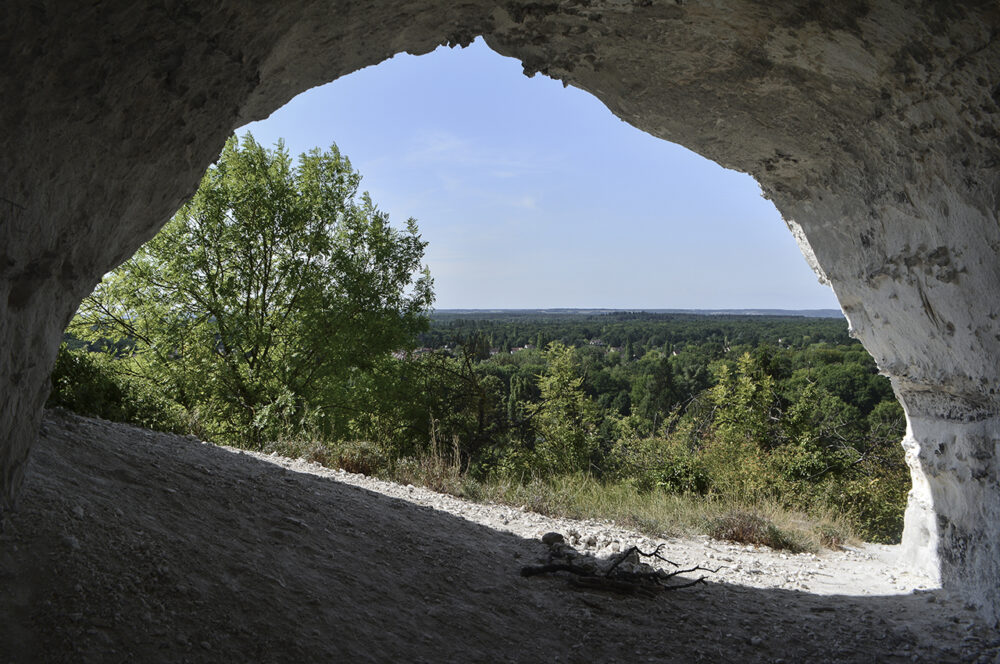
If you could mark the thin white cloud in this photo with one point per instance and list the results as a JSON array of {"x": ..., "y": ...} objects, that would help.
[
  {"x": 437, "y": 146},
  {"x": 434, "y": 147}
]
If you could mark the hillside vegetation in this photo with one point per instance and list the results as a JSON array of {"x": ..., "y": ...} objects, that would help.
[
  {"x": 615, "y": 415},
  {"x": 279, "y": 310}
]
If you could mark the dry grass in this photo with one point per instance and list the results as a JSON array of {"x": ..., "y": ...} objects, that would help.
[
  {"x": 654, "y": 513},
  {"x": 780, "y": 529},
  {"x": 750, "y": 528},
  {"x": 353, "y": 456},
  {"x": 661, "y": 514}
]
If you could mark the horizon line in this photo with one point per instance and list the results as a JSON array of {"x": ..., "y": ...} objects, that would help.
[{"x": 826, "y": 310}]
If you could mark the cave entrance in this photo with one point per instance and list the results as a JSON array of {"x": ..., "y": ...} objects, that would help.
[
  {"x": 869, "y": 125},
  {"x": 533, "y": 196}
]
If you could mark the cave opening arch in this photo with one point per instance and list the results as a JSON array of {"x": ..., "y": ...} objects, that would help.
[
  {"x": 872, "y": 127},
  {"x": 533, "y": 195}
]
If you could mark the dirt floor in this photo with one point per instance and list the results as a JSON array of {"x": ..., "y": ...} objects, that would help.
[{"x": 134, "y": 546}]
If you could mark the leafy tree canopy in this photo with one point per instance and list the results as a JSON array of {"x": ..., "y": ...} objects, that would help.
[
  {"x": 258, "y": 302},
  {"x": 565, "y": 417}
]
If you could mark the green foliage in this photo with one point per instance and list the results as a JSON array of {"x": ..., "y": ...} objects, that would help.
[
  {"x": 91, "y": 384},
  {"x": 264, "y": 299},
  {"x": 874, "y": 497},
  {"x": 744, "y": 402},
  {"x": 654, "y": 394},
  {"x": 736, "y": 450},
  {"x": 288, "y": 343},
  {"x": 642, "y": 330},
  {"x": 564, "y": 418},
  {"x": 760, "y": 427},
  {"x": 666, "y": 463}
]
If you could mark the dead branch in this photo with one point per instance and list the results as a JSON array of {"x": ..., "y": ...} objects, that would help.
[{"x": 645, "y": 581}]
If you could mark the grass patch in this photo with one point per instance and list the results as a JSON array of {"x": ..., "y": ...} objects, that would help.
[
  {"x": 663, "y": 514},
  {"x": 750, "y": 528},
  {"x": 781, "y": 529},
  {"x": 654, "y": 513}
]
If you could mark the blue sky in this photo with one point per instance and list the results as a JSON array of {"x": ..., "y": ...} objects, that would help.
[{"x": 532, "y": 195}]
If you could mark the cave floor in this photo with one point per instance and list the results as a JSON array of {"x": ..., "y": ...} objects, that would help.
[{"x": 131, "y": 545}]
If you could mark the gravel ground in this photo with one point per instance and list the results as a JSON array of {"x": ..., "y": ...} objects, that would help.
[{"x": 135, "y": 546}]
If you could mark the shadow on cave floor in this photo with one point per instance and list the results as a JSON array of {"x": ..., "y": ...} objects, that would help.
[{"x": 131, "y": 545}]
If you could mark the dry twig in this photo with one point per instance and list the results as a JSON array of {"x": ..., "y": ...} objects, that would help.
[{"x": 615, "y": 577}]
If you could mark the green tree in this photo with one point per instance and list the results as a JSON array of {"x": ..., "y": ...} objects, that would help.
[
  {"x": 745, "y": 403},
  {"x": 653, "y": 393},
  {"x": 565, "y": 419},
  {"x": 257, "y": 305},
  {"x": 516, "y": 398},
  {"x": 737, "y": 451}
]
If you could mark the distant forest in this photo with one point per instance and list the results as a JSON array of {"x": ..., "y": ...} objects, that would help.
[
  {"x": 777, "y": 408},
  {"x": 507, "y": 330},
  {"x": 295, "y": 318}
]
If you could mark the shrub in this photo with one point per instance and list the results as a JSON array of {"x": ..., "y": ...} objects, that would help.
[
  {"x": 738, "y": 470},
  {"x": 831, "y": 536},
  {"x": 874, "y": 506},
  {"x": 90, "y": 384},
  {"x": 355, "y": 456},
  {"x": 751, "y": 528},
  {"x": 436, "y": 474},
  {"x": 660, "y": 463},
  {"x": 360, "y": 456},
  {"x": 310, "y": 450}
]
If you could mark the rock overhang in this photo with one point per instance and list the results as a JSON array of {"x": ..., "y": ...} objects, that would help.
[{"x": 872, "y": 125}]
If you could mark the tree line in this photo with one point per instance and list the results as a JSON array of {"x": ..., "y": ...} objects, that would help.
[
  {"x": 808, "y": 424},
  {"x": 279, "y": 309}
]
